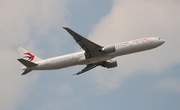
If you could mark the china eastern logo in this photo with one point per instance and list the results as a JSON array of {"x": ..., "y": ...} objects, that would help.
[{"x": 29, "y": 56}]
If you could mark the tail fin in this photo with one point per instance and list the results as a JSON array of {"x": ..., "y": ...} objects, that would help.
[{"x": 28, "y": 55}]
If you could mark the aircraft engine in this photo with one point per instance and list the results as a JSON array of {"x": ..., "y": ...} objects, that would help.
[
  {"x": 109, "y": 49},
  {"x": 110, "y": 63}
]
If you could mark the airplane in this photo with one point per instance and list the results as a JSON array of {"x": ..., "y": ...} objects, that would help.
[{"x": 93, "y": 55}]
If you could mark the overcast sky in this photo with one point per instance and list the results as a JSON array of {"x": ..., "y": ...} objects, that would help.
[{"x": 147, "y": 80}]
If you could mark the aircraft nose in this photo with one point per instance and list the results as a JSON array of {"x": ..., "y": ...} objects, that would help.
[{"x": 162, "y": 41}]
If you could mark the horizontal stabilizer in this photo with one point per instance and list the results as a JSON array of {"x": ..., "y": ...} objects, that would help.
[
  {"x": 26, "y": 71},
  {"x": 27, "y": 63}
]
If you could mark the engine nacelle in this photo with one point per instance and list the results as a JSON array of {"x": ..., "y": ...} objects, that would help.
[
  {"x": 109, "y": 49},
  {"x": 110, "y": 63}
]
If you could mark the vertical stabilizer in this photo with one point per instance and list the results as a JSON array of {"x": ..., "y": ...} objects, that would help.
[{"x": 28, "y": 55}]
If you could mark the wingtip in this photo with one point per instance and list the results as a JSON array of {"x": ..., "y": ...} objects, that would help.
[
  {"x": 74, "y": 74},
  {"x": 65, "y": 27}
]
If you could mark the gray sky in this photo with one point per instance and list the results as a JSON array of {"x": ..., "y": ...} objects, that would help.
[{"x": 147, "y": 80}]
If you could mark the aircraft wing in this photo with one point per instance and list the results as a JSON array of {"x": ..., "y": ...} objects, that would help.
[
  {"x": 87, "y": 68},
  {"x": 85, "y": 44}
]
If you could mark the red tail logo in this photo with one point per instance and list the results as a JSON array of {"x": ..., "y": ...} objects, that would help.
[{"x": 29, "y": 56}]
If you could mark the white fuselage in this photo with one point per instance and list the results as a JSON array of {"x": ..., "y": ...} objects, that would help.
[{"x": 79, "y": 58}]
